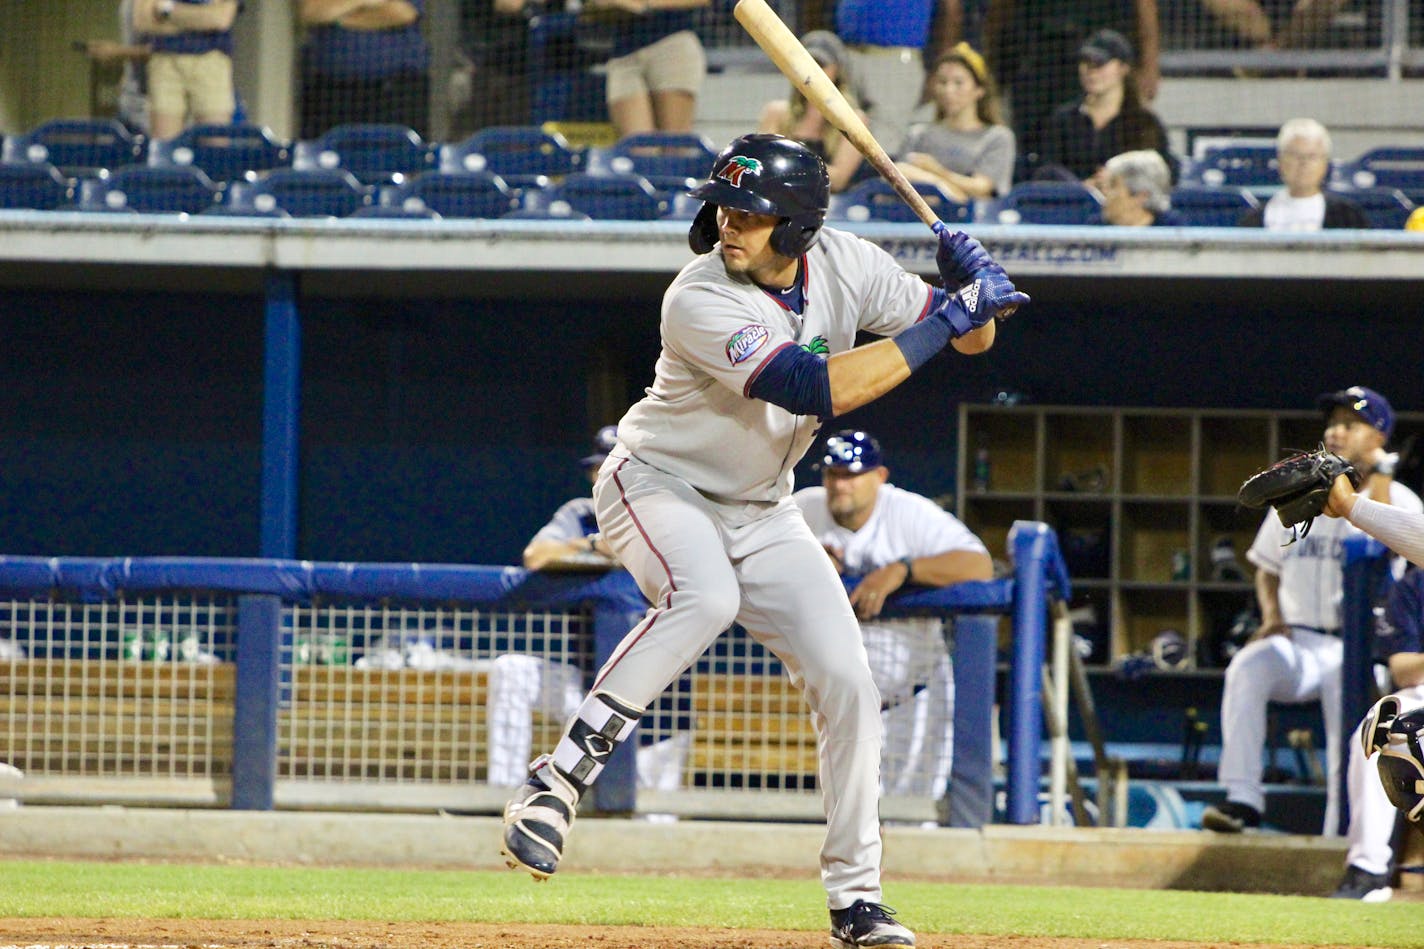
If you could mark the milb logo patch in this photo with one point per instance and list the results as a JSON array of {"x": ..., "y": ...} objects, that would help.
[{"x": 745, "y": 342}]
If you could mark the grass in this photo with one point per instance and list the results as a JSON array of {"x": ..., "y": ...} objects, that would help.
[{"x": 70, "y": 888}]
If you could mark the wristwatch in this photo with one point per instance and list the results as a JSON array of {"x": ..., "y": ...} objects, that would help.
[
  {"x": 162, "y": 10},
  {"x": 1387, "y": 463}
]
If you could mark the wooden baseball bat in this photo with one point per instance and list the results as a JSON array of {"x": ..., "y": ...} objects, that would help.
[{"x": 778, "y": 42}]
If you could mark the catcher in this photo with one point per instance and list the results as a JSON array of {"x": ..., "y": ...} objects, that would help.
[{"x": 1295, "y": 655}]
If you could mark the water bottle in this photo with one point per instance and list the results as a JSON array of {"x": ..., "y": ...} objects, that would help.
[{"x": 981, "y": 470}]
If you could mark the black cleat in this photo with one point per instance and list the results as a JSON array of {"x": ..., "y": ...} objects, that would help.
[
  {"x": 1364, "y": 886},
  {"x": 867, "y": 924},
  {"x": 1231, "y": 817},
  {"x": 536, "y": 823}
]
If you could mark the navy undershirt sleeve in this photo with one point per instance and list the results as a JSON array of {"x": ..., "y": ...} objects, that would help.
[{"x": 795, "y": 380}]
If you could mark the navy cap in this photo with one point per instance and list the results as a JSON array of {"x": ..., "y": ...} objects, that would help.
[
  {"x": 1367, "y": 403},
  {"x": 853, "y": 450},
  {"x": 603, "y": 443},
  {"x": 1105, "y": 45}
]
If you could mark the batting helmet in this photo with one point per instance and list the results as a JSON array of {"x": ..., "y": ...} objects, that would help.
[
  {"x": 853, "y": 450},
  {"x": 1401, "y": 757},
  {"x": 765, "y": 174}
]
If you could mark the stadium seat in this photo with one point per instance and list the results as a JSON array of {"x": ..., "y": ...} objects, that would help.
[
  {"x": 470, "y": 194},
  {"x": 224, "y": 152},
  {"x": 37, "y": 186},
  {"x": 1240, "y": 166},
  {"x": 658, "y": 155},
  {"x": 523, "y": 155},
  {"x": 374, "y": 154},
  {"x": 149, "y": 190},
  {"x": 1048, "y": 202},
  {"x": 1202, "y": 206},
  {"x": 605, "y": 197},
  {"x": 1394, "y": 166},
  {"x": 299, "y": 192},
  {"x": 1387, "y": 208},
  {"x": 875, "y": 200},
  {"x": 77, "y": 147}
]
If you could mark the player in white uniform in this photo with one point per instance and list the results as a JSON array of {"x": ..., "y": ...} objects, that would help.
[
  {"x": 758, "y": 336},
  {"x": 1296, "y": 654},
  {"x": 890, "y": 538},
  {"x": 1399, "y": 642}
]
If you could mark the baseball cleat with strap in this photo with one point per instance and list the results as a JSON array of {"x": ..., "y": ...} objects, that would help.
[
  {"x": 867, "y": 924},
  {"x": 536, "y": 824}
]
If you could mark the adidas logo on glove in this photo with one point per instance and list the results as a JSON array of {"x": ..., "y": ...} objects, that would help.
[{"x": 969, "y": 296}]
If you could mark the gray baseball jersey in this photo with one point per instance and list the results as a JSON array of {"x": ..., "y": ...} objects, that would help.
[{"x": 697, "y": 422}]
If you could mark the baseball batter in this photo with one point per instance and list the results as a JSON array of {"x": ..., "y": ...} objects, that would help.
[
  {"x": 891, "y": 538},
  {"x": 1399, "y": 642},
  {"x": 1297, "y": 653},
  {"x": 758, "y": 347}
]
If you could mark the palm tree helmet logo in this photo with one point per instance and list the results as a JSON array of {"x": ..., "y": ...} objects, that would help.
[{"x": 738, "y": 166}]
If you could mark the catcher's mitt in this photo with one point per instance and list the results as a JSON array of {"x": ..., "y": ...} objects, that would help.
[{"x": 1297, "y": 486}]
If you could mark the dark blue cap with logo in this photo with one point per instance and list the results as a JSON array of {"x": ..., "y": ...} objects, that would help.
[
  {"x": 853, "y": 450},
  {"x": 603, "y": 443},
  {"x": 1367, "y": 403}
]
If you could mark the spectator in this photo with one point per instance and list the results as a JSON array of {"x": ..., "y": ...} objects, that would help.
[
  {"x": 1295, "y": 654},
  {"x": 519, "y": 685},
  {"x": 130, "y": 55},
  {"x": 490, "y": 82},
  {"x": 967, "y": 150},
  {"x": 1107, "y": 120},
  {"x": 189, "y": 70},
  {"x": 658, "y": 64},
  {"x": 892, "y": 539},
  {"x": 1303, "y": 147},
  {"x": 1032, "y": 47},
  {"x": 1250, "y": 22},
  {"x": 1137, "y": 190},
  {"x": 887, "y": 41},
  {"x": 1399, "y": 643},
  {"x": 798, "y": 119},
  {"x": 363, "y": 61}
]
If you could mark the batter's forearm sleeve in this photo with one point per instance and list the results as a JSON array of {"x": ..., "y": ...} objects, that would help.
[
  {"x": 944, "y": 322},
  {"x": 1400, "y": 530},
  {"x": 795, "y": 380}
]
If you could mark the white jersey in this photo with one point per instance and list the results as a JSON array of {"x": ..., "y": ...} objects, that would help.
[
  {"x": 1311, "y": 586},
  {"x": 902, "y": 524},
  {"x": 697, "y": 421}
]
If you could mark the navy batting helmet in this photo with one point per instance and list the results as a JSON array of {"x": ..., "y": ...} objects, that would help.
[
  {"x": 765, "y": 174},
  {"x": 853, "y": 450},
  {"x": 1401, "y": 757}
]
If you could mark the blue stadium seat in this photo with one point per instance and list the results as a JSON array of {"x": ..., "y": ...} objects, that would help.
[
  {"x": 224, "y": 152},
  {"x": 657, "y": 155},
  {"x": 77, "y": 147},
  {"x": 37, "y": 186},
  {"x": 605, "y": 197},
  {"x": 469, "y": 194},
  {"x": 1241, "y": 166},
  {"x": 374, "y": 153},
  {"x": 1395, "y": 166},
  {"x": 1387, "y": 208},
  {"x": 1203, "y": 206},
  {"x": 148, "y": 190},
  {"x": 875, "y": 200},
  {"x": 523, "y": 155},
  {"x": 1048, "y": 202},
  {"x": 299, "y": 192}
]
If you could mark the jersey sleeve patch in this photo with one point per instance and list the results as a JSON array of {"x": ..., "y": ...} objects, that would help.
[{"x": 745, "y": 342}]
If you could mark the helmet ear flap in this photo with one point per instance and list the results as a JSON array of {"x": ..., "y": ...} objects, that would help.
[
  {"x": 702, "y": 236},
  {"x": 792, "y": 237}
]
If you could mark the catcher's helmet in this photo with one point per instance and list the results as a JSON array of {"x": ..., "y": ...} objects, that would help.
[
  {"x": 853, "y": 450},
  {"x": 765, "y": 174},
  {"x": 603, "y": 443},
  {"x": 1401, "y": 757}
]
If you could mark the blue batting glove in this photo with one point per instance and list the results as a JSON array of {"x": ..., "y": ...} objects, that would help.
[
  {"x": 959, "y": 257},
  {"x": 988, "y": 295}
]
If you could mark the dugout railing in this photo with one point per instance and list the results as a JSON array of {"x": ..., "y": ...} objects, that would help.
[{"x": 275, "y": 683}]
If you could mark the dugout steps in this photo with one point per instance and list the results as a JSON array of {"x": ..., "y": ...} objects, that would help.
[{"x": 1275, "y": 863}]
